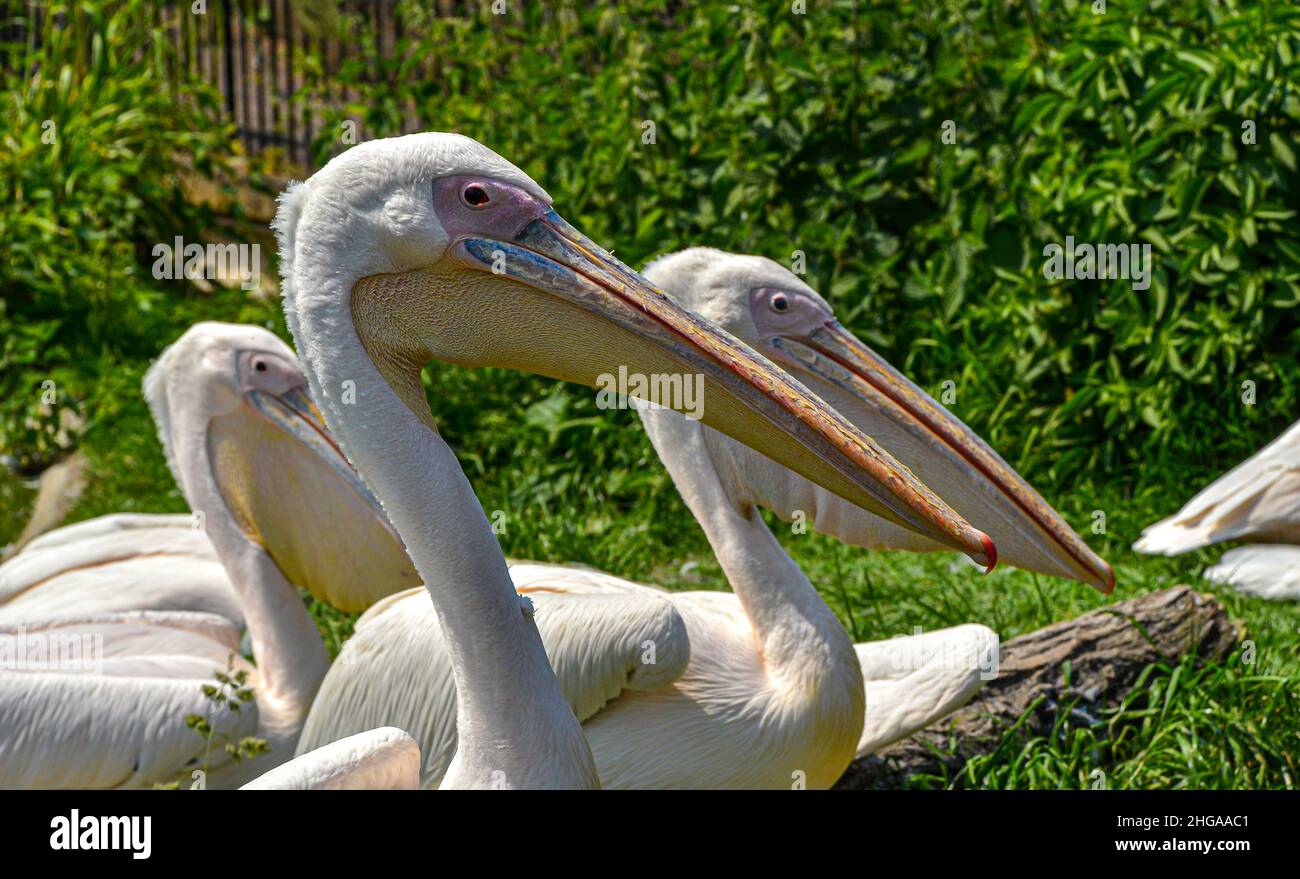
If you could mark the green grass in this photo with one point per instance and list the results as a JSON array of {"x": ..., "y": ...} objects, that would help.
[
  {"x": 1189, "y": 726},
  {"x": 579, "y": 485}
]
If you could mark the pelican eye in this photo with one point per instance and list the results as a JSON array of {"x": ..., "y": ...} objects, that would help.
[
  {"x": 475, "y": 196},
  {"x": 780, "y": 303},
  {"x": 259, "y": 365}
]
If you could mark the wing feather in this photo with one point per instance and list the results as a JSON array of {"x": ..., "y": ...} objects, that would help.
[
  {"x": 113, "y": 523},
  {"x": 101, "y": 703},
  {"x": 1258, "y": 499},
  {"x": 913, "y": 681},
  {"x": 603, "y": 636},
  {"x": 113, "y": 564},
  {"x": 379, "y": 759},
  {"x": 1265, "y": 570}
]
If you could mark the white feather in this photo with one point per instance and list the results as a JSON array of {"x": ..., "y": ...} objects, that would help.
[
  {"x": 1263, "y": 570},
  {"x": 117, "y": 563},
  {"x": 717, "y": 721},
  {"x": 116, "y": 718},
  {"x": 379, "y": 759},
  {"x": 1257, "y": 500}
]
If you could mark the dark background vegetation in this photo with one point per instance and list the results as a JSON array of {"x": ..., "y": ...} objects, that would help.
[{"x": 775, "y": 133}]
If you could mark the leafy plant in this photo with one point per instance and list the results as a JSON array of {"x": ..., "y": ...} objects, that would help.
[
  {"x": 96, "y": 139},
  {"x": 1170, "y": 123},
  {"x": 772, "y": 133},
  {"x": 228, "y": 696}
]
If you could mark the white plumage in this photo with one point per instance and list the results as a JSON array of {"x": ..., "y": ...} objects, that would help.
[
  {"x": 1269, "y": 571},
  {"x": 683, "y": 721},
  {"x": 773, "y": 692},
  {"x": 1259, "y": 501},
  {"x": 114, "y": 716},
  {"x": 117, "y": 563},
  {"x": 379, "y": 759},
  {"x": 224, "y": 398},
  {"x": 913, "y": 681}
]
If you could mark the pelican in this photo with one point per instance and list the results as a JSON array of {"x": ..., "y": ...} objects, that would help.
[
  {"x": 1257, "y": 501},
  {"x": 126, "y": 562},
  {"x": 431, "y": 246},
  {"x": 96, "y": 697},
  {"x": 771, "y": 692}
]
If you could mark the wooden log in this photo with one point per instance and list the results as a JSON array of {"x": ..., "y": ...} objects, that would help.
[{"x": 1106, "y": 649}]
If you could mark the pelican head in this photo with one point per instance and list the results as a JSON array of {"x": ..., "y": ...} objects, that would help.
[
  {"x": 769, "y": 307},
  {"x": 432, "y": 247},
  {"x": 241, "y": 434}
]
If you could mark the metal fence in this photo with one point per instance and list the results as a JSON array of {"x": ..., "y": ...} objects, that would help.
[
  {"x": 271, "y": 60},
  {"x": 258, "y": 52}
]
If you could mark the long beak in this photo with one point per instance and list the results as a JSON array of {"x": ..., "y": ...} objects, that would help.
[
  {"x": 746, "y": 395},
  {"x": 292, "y": 490},
  {"x": 945, "y": 453},
  {"x": 296, "y": 414}
]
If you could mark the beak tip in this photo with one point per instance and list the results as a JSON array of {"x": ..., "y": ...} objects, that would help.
[
  {"x": 1107, "y": 579},
  {"x": 990, "y": 553}
]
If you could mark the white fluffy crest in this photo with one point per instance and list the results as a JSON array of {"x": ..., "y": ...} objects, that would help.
[
  {"x": 172, "y": 380},
  {"x": 704, "y": 279},
  {"x": 362, "y": 183}
]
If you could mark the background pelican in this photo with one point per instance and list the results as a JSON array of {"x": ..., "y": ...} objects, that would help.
[
  {"x": 433, "y": 247},
  {"x": 1259, "y": 501},
  {"x": 162, "y": 562},
  {"x": 115, "y": 564},
  {"x": 237, "y": 428},
  {"x": 166, "y": 562},
  {"x": 771, "y": 690}
]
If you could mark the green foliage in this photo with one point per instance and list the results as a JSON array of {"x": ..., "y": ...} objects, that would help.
[
  {"x": 822, "y": 133},
  {"x": 95, "y": 137}
]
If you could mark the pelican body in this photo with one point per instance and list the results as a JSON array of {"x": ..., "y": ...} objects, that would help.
[
  {"x": 117, "y": 564},
  {"x": 760, "y": 688},
  {"x": 101, "y": 698},
  {"x": 1256, "y": 501},
  {"x": 429, "y": 247}
]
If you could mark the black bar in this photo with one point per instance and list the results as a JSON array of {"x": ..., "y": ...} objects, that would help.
[
  {"x": 1007, "y": 831},
  {"x": 228, "y": 60},
  {"x": 290, "y": 77}
]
